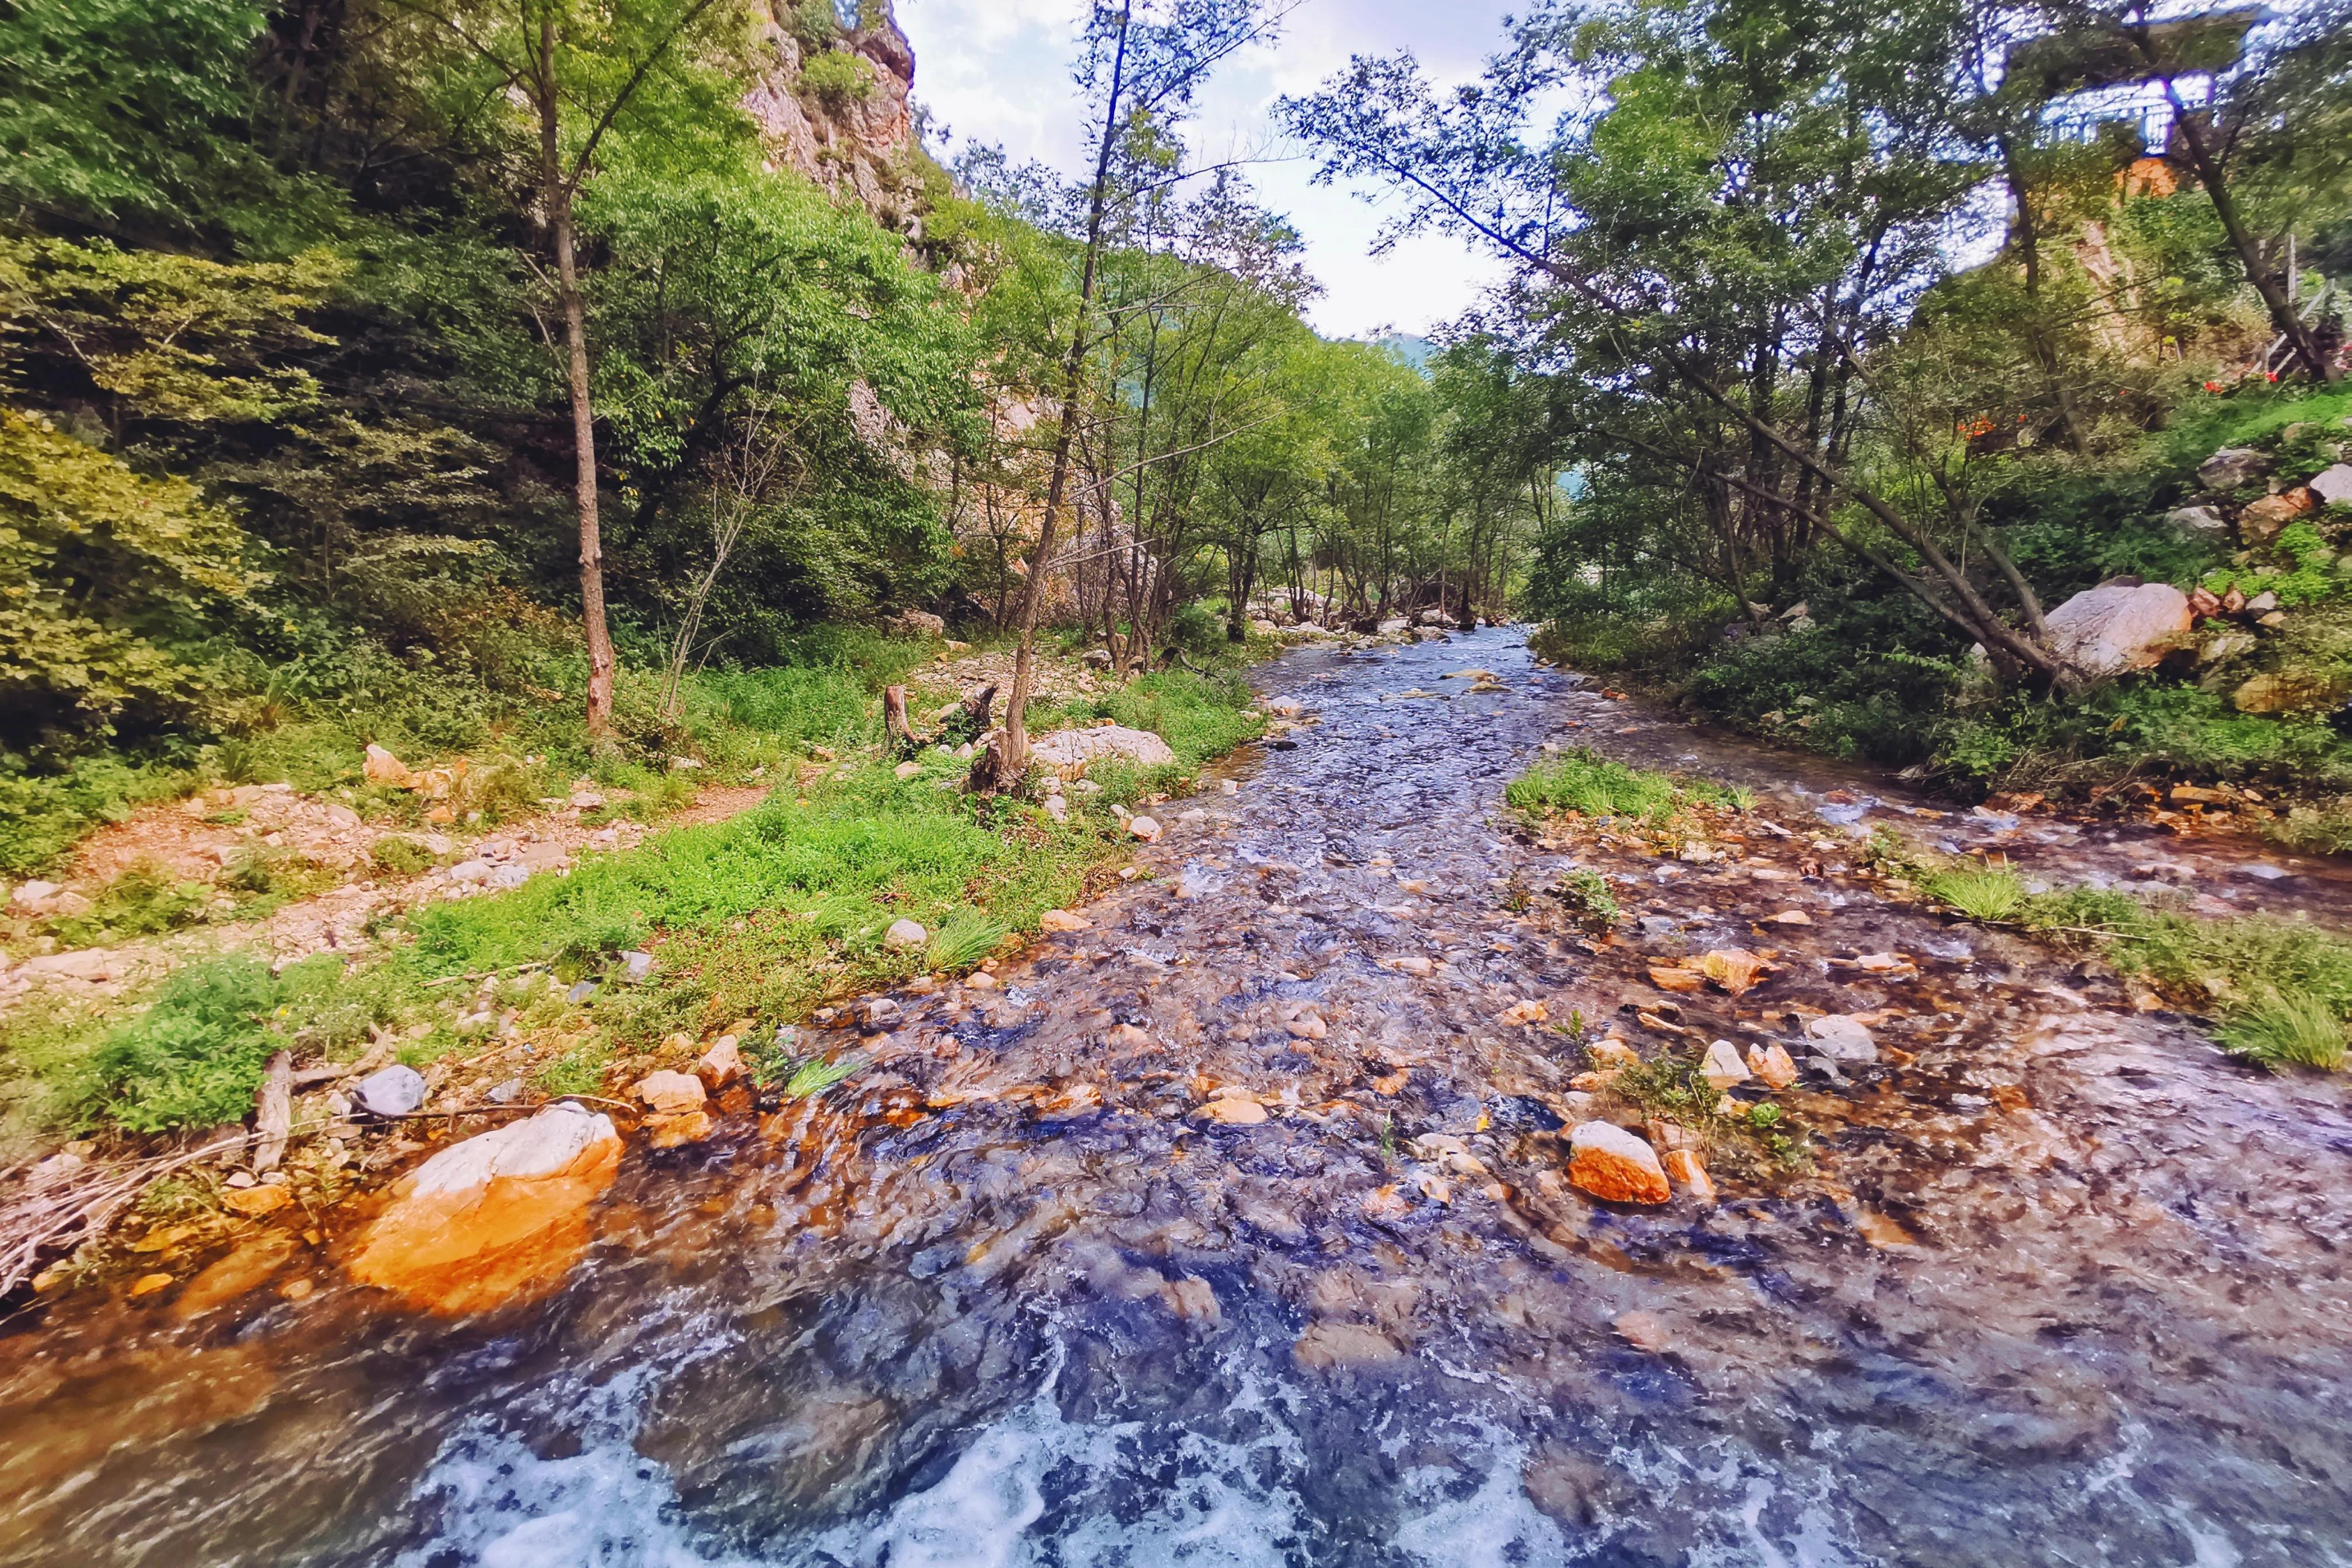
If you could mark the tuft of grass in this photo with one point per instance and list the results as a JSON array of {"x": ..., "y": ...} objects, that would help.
[
  {"x": 1584, "y": 782},
  {"x": 1590, "y": 899},
  {"x": 1987, "y": 893},
  {"x": 398, "y": 856},
  {"x": 2287, "y": 1031},
  {"x": 968, "y": 937},
  {"x": 816, "y": 1075}
]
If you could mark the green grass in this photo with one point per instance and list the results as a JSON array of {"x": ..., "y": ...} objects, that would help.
[
  {"x": 2280, "y": 990},
  {"x": 2287, "y": 1031},
  {"x": 1590, "y": 899},
  {"x": 1585, "y": 782},
  {"x": 1988, "y": 893},
  {"x": 767, "y": 916}
]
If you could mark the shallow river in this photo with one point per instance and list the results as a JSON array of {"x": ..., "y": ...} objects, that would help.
[{"x": 2065, "y": 1285}]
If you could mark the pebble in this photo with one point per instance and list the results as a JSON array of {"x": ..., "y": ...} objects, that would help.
[
  {"x": 903, "y": 934},
  {"x": 1722, "y": 1068},
  {"x": 1144, "y": 827}
]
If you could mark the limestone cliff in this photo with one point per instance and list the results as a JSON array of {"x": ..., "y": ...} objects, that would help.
[{"x": 849, "y": 127}]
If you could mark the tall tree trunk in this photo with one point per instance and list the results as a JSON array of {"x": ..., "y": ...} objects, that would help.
[
  {"x": 2210, "y": 174},
  {"x": 1002, "y": 766},
  {"x": 556, "y": 193}
]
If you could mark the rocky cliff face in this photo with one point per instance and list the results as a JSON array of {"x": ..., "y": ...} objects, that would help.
[{"x": 852, "y": 132}]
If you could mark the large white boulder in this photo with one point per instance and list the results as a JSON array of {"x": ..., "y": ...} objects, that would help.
[
  {"x": 2115, "y": 627},
  {"x": 1069, "y": 753}
]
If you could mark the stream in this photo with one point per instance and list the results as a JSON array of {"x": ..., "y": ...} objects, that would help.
[{"x": 2064, "y": 1284}]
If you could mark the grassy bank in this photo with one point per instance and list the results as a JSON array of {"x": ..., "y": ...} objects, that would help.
[
  {"x": 1870, "y": 674},
  {"x": 2278, "y": 991},
  {"x": 764, "y": 916}
]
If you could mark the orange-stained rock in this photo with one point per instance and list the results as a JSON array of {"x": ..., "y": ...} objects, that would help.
[
  {"x": 1688, "y": 1171},
  {"x": 255, "y": 1202},
  {"x": 721, "y": 1065},
  {"x": 249, "y": 1266},
  {"x": 1612, "y": 1053},
  {"x": 1772, "y": 1064},
  {"x": 499, "y": 1217},
  {"x": 1609, "y": 1163},
  {"x": 1644, "y": 1331},
  {"x": 1062, "y": 920},
  {"x": 672, "y": 1132},
  {"x": 1332, "y": 1346},
  {"x": 670, "y": 1093}
]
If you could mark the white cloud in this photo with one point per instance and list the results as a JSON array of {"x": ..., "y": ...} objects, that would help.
[{"x": 994, "y": 71}]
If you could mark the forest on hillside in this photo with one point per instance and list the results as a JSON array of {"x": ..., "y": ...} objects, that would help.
[
  {"x": 1878, "y": 336},
  {"x": 383, "y": 371}
]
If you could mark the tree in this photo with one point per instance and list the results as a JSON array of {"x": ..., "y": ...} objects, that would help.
[
  {"x": 1141, "y": 63},
  {"x": 580, "y": 67},
  {"x": 1752, "y": 203}
]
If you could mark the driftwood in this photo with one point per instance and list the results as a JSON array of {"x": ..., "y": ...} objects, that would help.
[
  {"x": 49, "y": 1208},
  {"x": 894, "y": 719}
]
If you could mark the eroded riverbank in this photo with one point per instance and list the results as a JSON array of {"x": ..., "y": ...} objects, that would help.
[{"x": 2064, "y": 1285}]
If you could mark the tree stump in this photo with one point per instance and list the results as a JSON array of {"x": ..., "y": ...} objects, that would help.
[{"x": 894, "y": 719}]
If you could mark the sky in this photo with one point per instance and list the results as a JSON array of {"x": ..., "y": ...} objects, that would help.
[{"x": 997, "y": 71}]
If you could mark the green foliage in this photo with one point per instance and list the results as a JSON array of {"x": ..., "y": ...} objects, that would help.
[
  {"x": 1589, "y": 897},
  {"x": 194, "y": 1058},
  {"x": 835, "y": 78},
  {"x": 101, "y": 568},
  {"x": 968, "y": 937}
]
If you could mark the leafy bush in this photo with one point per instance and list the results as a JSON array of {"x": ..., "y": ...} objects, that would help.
[
  {"x": 835, "y": 78},
  {"x": 194, "y": 1058}
]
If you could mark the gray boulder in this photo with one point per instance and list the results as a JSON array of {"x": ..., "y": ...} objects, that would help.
[
  {"x": 2333, "y": 487},
  {"x": 2232, "y": 467},
  {"x": 2116, "y": 627},
  {"x": 2199, "y": 522}
]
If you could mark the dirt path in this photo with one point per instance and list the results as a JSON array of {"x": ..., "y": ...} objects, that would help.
[
  {"x": 1231, "y": 1228},
  {"x": 193, "y": 840}
]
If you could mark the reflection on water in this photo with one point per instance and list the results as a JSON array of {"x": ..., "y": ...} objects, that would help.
[{"x": 2066, "y": 1287}]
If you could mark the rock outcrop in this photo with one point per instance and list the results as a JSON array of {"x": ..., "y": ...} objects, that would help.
[
  {"x": 1069, "y": 753},
  {"x": 858, "y": 140},
  {"x": 501, "y": 1216}
]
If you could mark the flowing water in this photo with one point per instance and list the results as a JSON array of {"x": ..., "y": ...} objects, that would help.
[{"x": 2066, "y": 1284}]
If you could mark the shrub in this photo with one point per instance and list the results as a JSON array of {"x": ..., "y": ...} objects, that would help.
[
  {"x": 835, "y": 78},
  {"x": 194, "y": 1058}
]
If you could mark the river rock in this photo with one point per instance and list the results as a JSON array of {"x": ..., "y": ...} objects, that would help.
[
  {"x": 1644, "y": 1331},
  {"x": 2232, "y": 467},
  {"x": 1772, "y": 1066},
  {"x": 903, "y": 934},
  {"x": 2282, "y": 691},
  {"x": 1722, "y": 1068},
  {"x": 1842, "y": 1039},
  {"x": 2262, "y": 521},
  {"x": 396, "y": 1090},
  {"x": 1062, "y": 920},
  {"x": 1231, "y": 1112},
  {"x": 1330, "y": 1346},
  {"x": 1612, "y": 1164},
  {"x": 1284, "y": 707},
  {"x": 670, "y": 1093},
  {"x": 1147, "y": 828},
  {"x": 500, "y": 1216},
  {"x": 2108, "y": 630},
  {"x": 1069, "y": 753},
  {"x": 1687, "y": 1170},
  {"x": 2332, "y": 487}
]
